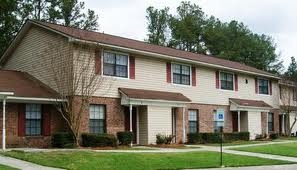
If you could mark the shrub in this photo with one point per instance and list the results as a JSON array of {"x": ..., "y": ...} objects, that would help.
[
  {"x": 164, "y": 139},
  {"x": 63, "y": 140},
  {"x": 125, "y": 138},
  {"x": 98, "y": 140},
  {"x": 273, "y": 136},
  {"x": 216, "y": 137}
]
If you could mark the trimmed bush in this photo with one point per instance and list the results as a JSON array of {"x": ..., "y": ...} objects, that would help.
[
  {"x": 63, "y": 140},
  {"x": 195, "y": 138},
  {"x": 98, "y": 140},
  {"x": 216, "y": 138},
  {"x": 273, "y": 136},
  {"x": 125, "y": 138},
  {"x": 164, "y": 139}
]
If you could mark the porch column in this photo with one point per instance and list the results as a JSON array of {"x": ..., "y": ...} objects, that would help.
[
  {"x": 283, "y": 123},
  {"x": 184, "y": 128},
  {"x": 3, "y": 126},
  {"x": 238, "y": 120},
  {"x": 130, "y": 108},
  {"x": 267, "y": 123}
]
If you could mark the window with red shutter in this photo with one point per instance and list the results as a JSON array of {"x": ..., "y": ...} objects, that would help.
[{"x": 132, "y": 67}]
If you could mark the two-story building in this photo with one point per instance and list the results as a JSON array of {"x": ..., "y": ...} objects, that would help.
[{"x": 147, "y": 89}]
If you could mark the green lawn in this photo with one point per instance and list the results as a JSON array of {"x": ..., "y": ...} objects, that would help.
[
  {"x": 285, "y": 149},
  {"x": 94, "y": 160},
  {"x": 4, "y": 167}
]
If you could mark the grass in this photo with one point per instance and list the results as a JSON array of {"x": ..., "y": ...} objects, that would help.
[
  {"x": 4, "y": 167},
  {"x": 143, "y": 161},
  {"x": 285, "y": 149}
]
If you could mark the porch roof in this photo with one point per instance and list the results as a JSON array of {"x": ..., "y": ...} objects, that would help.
[
  {"x": 244, "y": 103},
  {"x": 288, "y": 108},
  {"x": 23, "y": 85},
  {"x": 154, "y": 95}
]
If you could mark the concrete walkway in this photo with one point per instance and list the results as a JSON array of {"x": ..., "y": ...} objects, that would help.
[
  {"x": 20, "y": 164},
  {"x": 268, "y": 167}
]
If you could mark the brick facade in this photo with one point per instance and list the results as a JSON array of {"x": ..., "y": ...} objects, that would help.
[{"x": 57, "y": 124}]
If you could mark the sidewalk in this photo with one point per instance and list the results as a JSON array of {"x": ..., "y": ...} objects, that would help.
[
  {"x": 268, "y": 167},
  {"x": 20, "y": 164}
]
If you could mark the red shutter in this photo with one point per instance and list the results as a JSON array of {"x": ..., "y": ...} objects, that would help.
[
  {"x": 21, "y": 120},
  {"x": 217, "y": 79},
  {"x": 132, "y": 67},
  {"x": 193, "y": 76},
  {"x": 168, "y": 72},
  {"x": 256, "y": 85},
  {"x": 236, "y": 82},
  {"x": 98, "y": 61},
  {"x": 46, "y": 120},
  {"x": 270, "y": 87}
]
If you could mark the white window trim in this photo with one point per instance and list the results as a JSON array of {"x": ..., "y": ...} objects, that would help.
[
  {"x": 220, "y": 80},
  {"x": 116, "y": 52},
  {"x": 182, "y": 85},
  {"x": 259, "y": 88}
]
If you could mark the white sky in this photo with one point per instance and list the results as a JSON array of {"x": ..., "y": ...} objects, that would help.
[{"x": 277, "y": 18}]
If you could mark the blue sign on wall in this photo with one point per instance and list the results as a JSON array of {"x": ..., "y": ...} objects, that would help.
[{"x": 220, "y": 115}]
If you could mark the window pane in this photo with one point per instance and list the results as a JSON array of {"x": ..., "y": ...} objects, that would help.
[
  {"x": 108, "y": 69},
  {"x": 122, "y": 60},
  {"x": 97, "y": 119},
  {"x": 176, "y": 78},
  {"x": 226, "y": 81},
  {"x": 121, "y": 71},
  {"x": 176, "y": 68},
  {"x": 109, "y": 58},
  {"x": 186, "y": 70}
]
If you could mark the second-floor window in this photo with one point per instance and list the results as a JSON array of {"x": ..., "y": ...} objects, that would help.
[
  {"x": 181, "y": 74},
  {"x": 294, "y": 94},
  {"x": 115, "y": 64},
  {"x": 227, "y": 82},
  {"x": 263, "y": 86}
]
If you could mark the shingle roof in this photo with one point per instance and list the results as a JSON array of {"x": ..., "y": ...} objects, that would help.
[
  {"x": 24, "y": 85},
  {"x": 143, "y": 46},
  {"x": 153, "y": 95},
  {"x": 250, "y": 103}
]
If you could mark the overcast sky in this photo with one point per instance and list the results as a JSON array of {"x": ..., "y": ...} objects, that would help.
[{"x": 277, "y": 18}]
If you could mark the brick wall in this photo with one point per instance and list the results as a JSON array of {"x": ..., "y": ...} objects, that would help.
[{"x": 12, "y": 138}]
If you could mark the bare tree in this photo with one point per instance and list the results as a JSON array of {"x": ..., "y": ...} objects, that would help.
[
  {"x": 74, "y": 77},
  {"x": 288, "y": 97}
]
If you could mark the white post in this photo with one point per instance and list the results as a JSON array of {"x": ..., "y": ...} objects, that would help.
[
  {"x": 184, "y": 128},
  {"x": 131, "y": 121},
  {"x": 238, "y": 120},
  {"x": 3, "y": 128},
  {"x": 267, "y": 123},
  {"x": 283, "y": 123}
]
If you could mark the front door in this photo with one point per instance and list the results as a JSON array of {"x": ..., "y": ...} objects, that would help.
[
  {"x": 235, "y": 121},
  {"x": 134, "y": 121}
]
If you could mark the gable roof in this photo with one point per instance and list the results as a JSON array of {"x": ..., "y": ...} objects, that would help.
[
  {"x": 24, "y": 85},
  {"x": 147, "y": 49},
  {"x": 153, "y": 95}
]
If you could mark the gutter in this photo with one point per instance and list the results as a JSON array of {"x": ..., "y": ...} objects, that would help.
[
  {"x": 163, "y": 56},
  {"x": 35, "y": 99}
]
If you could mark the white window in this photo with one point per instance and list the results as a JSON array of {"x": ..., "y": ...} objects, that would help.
[
  {"x": 97, "y": 119},
  {"x": 115, "y": 64},
  {"x": 181, "y": 74},
  {"x": 263, "y": 85},
  {"x": 33, "y": 119},
  {"x": 226, "y": 80},
  {"x": 193, "y": 121}
]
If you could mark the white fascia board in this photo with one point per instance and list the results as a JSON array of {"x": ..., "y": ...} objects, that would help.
[
  {"x": 6, "y": 93},
  {"x": 35, "y": 99}
]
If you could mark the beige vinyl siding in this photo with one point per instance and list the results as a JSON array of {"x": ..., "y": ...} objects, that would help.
[
  {"x": 36, "y": 52},
  {"x": 159, "y": 122},
  {"x": 143, "y": 125},
  {"x": 254, "y": 123},
  {"x": 151, "y": 74}
]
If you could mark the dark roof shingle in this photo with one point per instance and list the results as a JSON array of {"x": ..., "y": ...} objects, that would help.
[
  {"x": 153, "y": 95},
  {"x": 250, "y": 103}
]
